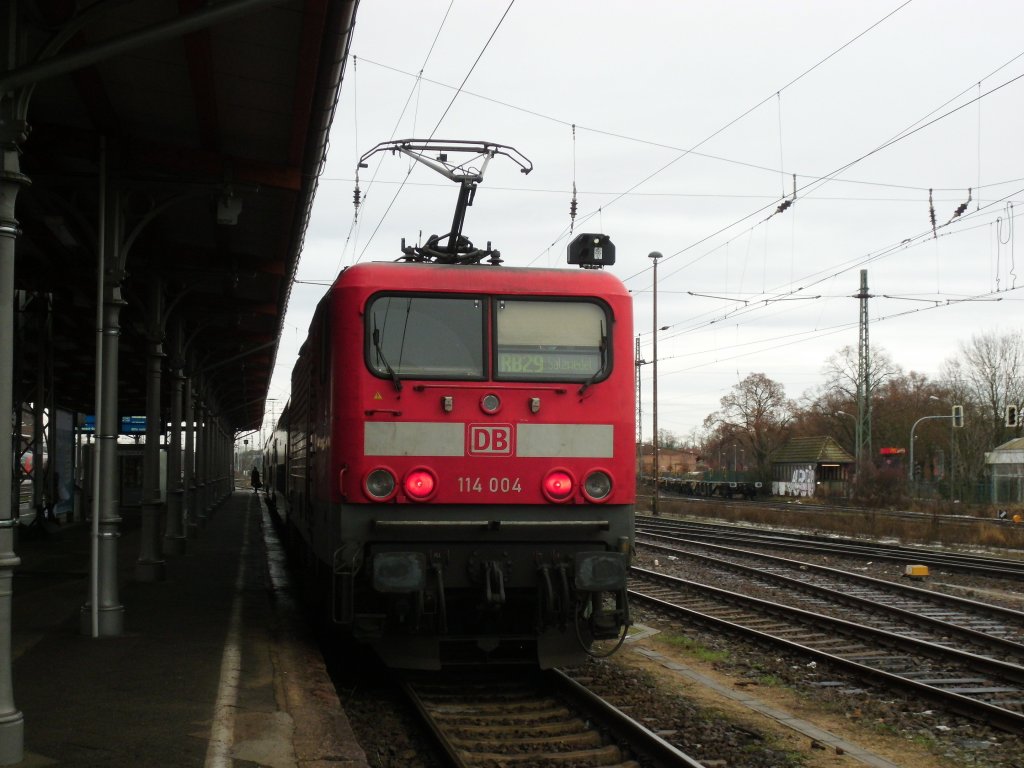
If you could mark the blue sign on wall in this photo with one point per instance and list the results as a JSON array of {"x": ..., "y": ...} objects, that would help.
[{"x": 130, "y": 425}]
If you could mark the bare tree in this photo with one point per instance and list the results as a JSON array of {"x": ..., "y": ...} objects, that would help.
[
  {"x": 989, "y": 369},
  {"x": 755, "y": 414},
  {"x": 840, "y": 372},
  {"x": 985, "y": 376},
  {"x": 831, "y": 408},
  {"x": 668, "y": 439},
  {"x": 897, "y": 401}
]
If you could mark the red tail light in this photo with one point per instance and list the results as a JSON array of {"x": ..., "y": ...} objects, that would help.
[
  {"x": 420, "y": 484},
  {"x": 557, "y": 485}
]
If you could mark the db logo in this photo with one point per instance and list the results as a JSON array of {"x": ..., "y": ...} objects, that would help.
[{"x": 490, "y": 440}]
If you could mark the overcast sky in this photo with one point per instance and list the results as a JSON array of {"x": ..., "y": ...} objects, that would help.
[{"x": 690, "y": 121}]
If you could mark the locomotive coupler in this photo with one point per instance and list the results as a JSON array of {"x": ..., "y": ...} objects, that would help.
[
  {"x": 604, "y": 623},
  {"x": 494, "y": 582},
  {"x": 600, "y": 573}
]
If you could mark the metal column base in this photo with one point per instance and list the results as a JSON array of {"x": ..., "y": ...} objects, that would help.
[
  {"x": 12, "y": 739},
  {"x": 111, "y": 621}
]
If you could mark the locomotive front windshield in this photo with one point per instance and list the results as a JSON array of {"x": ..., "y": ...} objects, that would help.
[
  {"x": 426, "y": 337},
  {"x": 444, "y": 337}
]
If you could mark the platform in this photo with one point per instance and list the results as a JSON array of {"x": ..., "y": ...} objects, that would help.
[{"x": 215, "y": 667}]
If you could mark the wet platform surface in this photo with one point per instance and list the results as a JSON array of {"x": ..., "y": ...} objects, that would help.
[{"x": 215, "y": 666}]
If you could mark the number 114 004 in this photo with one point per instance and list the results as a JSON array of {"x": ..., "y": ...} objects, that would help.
[{"x": 491, "y": 484}]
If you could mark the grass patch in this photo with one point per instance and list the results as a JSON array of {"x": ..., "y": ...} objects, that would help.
[
  {"x": 692, "y": 647},
  {"x": 924, "y": 739}
]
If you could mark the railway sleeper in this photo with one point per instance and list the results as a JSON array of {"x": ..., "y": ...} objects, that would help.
[
  {"x": 499, "y": 737},
  {"x": 603, "y": 756}
]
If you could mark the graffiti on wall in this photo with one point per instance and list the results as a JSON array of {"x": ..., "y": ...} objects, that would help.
[{"x": 801, "y": 482}]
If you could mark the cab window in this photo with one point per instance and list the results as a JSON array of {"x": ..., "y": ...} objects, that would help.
[
  {"x": 425, "y": 337},
  {"x": 551, "y": 340}
]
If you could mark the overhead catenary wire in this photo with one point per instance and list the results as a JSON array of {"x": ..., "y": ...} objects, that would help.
[
  {"x": 801, "y": 336},
  {"x": 675, "y": 148},
  {"x": 919, "y": 126},
  {"x": 357, "y": 197},
  {"x": 632, "y": 190},
  {"x": 831, "y": 330},
  {"x": 808, "y": 281},
  {"x": 710, "y": 195},
  {"x": 412, "y": 91},
  {"x": 752, "y": 109},
  {"x": 439, "y": 121},
  {"x": 632, "y": 139},
  {"x": 914, "y": 128}
]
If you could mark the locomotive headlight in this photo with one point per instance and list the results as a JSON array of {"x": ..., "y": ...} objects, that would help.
[
  {"x": 557, "y": 485},
  {"x": 490, "y": 403},
  {"x": 380, "y": 484},
  {"x": 597, "y": 486},
  {"x": 420, "y": 484}
]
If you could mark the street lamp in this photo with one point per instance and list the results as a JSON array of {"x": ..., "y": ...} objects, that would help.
[
  {"x": 952, "y": 449},
  {"x": 844, "y": 413},
  {"x": 910, "y": 469},
  {"x": 654, "y": 256}
]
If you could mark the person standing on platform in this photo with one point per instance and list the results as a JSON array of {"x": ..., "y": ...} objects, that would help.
[{"x": 254, "y": 477}]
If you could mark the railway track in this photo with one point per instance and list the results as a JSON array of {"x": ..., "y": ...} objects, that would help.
[
  {"x": 991, "y": 628},
  {"x": 995, "y": 567},
  {"x": 967, "y": 683},
  {"x": 806, "y": 507},
  {"x": 503, "y": 718}
]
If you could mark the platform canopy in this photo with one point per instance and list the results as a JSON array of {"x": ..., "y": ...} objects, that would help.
[{"x": 213, "y": 120}]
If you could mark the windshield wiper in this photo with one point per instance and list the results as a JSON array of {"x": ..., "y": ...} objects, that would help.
[
  {"x": 602, "y": 345},
  {"x": 387, "y": 366}
]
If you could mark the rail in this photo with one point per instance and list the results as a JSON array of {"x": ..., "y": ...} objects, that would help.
[
  {"x": 955, "y": 686},
  {"x": 503, "y": 717}
]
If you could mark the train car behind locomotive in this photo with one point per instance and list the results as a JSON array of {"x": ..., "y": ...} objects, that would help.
[{"x": 459, "y": 447}]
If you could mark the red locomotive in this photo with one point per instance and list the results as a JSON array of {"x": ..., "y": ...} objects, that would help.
[{"x": 457, "y": 457}]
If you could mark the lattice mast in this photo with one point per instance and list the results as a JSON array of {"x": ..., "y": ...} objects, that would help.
[{"x": 863, "y": 436}]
